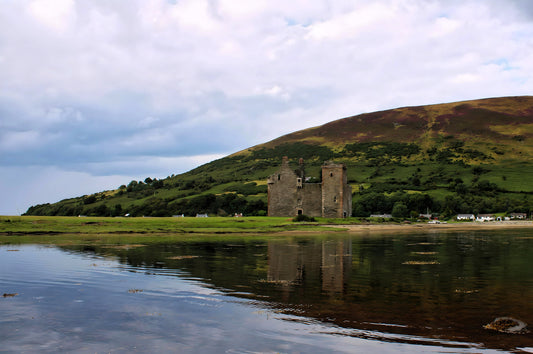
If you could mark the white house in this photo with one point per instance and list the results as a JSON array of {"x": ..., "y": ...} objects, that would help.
[
  {"x": 385, "y": 216},
  {"x": 520, "y": 216},
  {"x": 471, "y": 217},
  {"x": 485, "y": 217}
]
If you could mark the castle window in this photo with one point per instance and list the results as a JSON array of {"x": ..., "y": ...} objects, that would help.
[
  {"x": 299, "y": 182},
  {"x": 279, "y": 177},
  {"x": 331, "y": 174},
  {"x": 335, "y": 199}
]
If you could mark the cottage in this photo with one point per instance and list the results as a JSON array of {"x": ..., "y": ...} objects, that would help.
[
  {"x": 519, "y": 216},
  {"x": 289, "y": 194},
  {"x": 485, "y": 217},
  {"x": 384, "y": 216},
  {"x": 470, "y": 217}
]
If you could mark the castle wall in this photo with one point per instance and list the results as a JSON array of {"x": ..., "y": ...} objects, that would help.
[
  {"x": 347, "y": 200},
  {"x": 312, "y": 199},
  {"x": 288, "y": 195}
]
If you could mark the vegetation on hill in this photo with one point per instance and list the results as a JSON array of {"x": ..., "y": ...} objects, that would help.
[{"x": 465, "y": 157}]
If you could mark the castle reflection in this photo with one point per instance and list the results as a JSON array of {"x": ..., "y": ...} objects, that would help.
[{"x": 291, "y": 264}]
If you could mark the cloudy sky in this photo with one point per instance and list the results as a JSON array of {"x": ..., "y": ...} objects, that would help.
[{"x": 96, "y": 93}]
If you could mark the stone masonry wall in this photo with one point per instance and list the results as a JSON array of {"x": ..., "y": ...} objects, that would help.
[
  {"x": 282, "y": 191},
  {"x": 289, "y": 195},
  {"x": 312, "y": 199},
  {"x": 332, "y": 190}
]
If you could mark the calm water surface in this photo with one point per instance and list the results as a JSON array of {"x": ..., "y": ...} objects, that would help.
[{"x": 382, "y": 293}]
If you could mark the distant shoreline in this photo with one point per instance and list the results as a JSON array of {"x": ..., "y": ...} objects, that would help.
[
  {"x": 30, "y": 226},
  {"x": 420, "y": 227}
]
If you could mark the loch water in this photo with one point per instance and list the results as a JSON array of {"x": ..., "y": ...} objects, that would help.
[{"x": 426, "y": 292}]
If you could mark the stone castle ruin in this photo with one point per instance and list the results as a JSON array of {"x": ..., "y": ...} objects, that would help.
[{"x": 289, "y": 194}]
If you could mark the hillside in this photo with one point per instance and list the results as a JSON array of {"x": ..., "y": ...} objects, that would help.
[{"x": 463, "y": 157}]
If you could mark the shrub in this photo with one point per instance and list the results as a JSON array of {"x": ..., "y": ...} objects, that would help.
[{"x": 302, "y": 217}]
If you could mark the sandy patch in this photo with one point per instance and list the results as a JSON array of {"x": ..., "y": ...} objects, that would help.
[{"x": 409, "y": 228}]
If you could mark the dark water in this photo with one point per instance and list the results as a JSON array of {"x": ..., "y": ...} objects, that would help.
[{"x": 383, "y": 294}]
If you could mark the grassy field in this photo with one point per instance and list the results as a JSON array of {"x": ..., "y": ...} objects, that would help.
[
  {"x": 129, "y": 232},
  {"x": 42, "y": 225}
]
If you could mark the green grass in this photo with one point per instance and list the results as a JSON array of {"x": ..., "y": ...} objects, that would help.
[
  {"x": 513, "y": 178},
  {"x": 20, "y": 225}
]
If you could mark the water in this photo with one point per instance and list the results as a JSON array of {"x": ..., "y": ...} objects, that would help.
[{"x": 382, "y": 293}]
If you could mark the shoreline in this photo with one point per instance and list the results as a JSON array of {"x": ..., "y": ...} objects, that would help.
[
  {"x": 31, "y": 226},
  {"x": 419, "y": 227},
  {"x": 356, "y": 230}
]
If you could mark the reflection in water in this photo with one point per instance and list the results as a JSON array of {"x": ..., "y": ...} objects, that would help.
[
  {"x": 294, "y": 264},
  {"x": 426, "y": 289}
]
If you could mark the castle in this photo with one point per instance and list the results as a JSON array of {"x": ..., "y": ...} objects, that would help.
[{"x": 290, "y": 195}]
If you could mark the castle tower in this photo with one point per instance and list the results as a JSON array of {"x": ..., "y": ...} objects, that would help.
[
  {"x": 336, "y": 193},
  {"x": 283, "y": 190}
]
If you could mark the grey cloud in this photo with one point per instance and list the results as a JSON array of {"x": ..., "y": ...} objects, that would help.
[
  {"x": 524, "y": 7},
  {"x": 117, "y": 129}
]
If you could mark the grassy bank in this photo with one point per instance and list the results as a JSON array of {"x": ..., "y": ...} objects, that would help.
[
  {"x": 42, "y": 225},
  {"x": 107, "y": 230}
]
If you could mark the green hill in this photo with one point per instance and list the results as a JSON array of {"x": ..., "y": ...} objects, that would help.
[{"x": 463, "y": 157}]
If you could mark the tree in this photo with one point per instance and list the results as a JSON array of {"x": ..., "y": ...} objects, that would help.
[
  {"x": 131, "y": 186},
  {"x": 461, "y": 188},
  {"x": 419, "y": 202},
  {"x": 157, "y": 183},
  {"x": 117, "y": 210},
  {"x": 359, "y": 211},
  {"x": 399, "y": 210},
  {"x": 415, "y": 180},
  {"x": 100, "y": 210},
  {"x": 90, "y": 199}
]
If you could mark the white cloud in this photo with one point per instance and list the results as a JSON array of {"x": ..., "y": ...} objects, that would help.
[
  {"x": 55, "y": 14},
  {"x": 444, "y": 26},
  {"x": 354, "y": 23}
]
